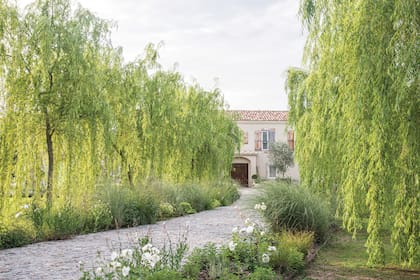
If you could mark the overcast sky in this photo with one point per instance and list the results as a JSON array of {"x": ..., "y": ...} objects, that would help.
[{"x": 242, "y": 47}]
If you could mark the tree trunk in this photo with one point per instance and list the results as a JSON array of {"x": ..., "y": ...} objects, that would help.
[
  {"x": 48, "y": 135},
  {"x": 130, "y": 175},
  {"x": 124, "y": 164}
]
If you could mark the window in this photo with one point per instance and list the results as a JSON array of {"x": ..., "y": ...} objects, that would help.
[
  {"x": 263, "y": 138},
  {"x": 272, "y": 171},
  {"x": 291, "y": 139}
]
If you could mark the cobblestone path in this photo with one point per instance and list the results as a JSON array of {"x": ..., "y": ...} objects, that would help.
[{"x": 60, "y": 259}]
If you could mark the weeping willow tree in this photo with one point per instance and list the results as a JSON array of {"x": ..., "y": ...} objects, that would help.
[
  {"x": 54, "y": 98},
  {"x": 73, "y": 115},
  {"x": 168, "y": 130},
  {"x": 357, "y": 116}
]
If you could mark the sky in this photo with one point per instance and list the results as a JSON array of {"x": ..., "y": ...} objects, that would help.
[{"x": 242, "y": 47}]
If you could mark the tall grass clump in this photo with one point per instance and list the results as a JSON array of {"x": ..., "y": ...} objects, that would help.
[
  {"x": 195, "y": 195},
  {"x": 292, "y": 207},
  {"x": 129, "y": 206},
  {"x": 225, "y": 191},
  {"x": 192, "y": 196}
]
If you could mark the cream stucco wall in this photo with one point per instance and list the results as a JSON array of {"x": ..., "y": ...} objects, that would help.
[{"x": 258, "y": 160}]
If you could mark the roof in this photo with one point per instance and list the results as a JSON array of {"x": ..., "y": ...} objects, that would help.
[{"x": 247, "y": 115}]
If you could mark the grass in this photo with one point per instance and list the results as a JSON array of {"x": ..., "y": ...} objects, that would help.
[
  {"x": 292, "y": 207},
  {"x": 111, "y": 206},
  {"x": 346, "y": 258}
]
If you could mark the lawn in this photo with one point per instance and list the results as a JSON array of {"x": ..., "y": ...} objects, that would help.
[{"x": 346, "y": 258}]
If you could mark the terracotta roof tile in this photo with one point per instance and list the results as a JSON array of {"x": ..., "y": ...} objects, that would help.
[{"x": 247, "y": 115}]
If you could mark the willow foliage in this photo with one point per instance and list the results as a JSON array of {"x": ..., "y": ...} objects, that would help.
[
  {"x": 357, "y": 116},
  {"x": 73, "y": 115}
]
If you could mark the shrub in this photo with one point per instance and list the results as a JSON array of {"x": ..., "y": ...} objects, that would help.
[
  {"x": 98, "y": 218},
  {"x": 195, "y": 195},
  {"x": 301, "y": 240},
  {"x": 143, "y": 261},
  {"x": 252, "y": 254},
  {"x": 15, "y": 235},
  {"x": 36, "y": 214},
  {"x": 200, "y": 195},
  {"x": 166, "y": 210},
  {"x": 226, "y": 191},
  {"x": 129, "y": 207},
  {"x": 291, "y": 250},
  {"x": 62, "y": 221},
  {"x": 288, "y": 259},
  {"x": 263, "y": 273},
  {"x": 140, "y": 209},
  {"x": 163, "y": 192},
  {"x": 292, "y": 207},
  {"x": 207, "y": 262},
  {"x": 185, "y": 208},
  {"x": 164, "y": 275},
  {"x": 257, "y": 179},
  {"x": 215, "y": 203},
  {"x": 115, "y": 198}
]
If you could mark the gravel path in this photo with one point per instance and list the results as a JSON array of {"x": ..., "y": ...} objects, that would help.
[{"x": 60, "y": 259}]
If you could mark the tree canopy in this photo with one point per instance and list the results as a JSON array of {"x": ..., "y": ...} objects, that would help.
[
  {"x": 281, "y": 156},
  {"x": 357, "y": 117},
  {"x": 74, "y": 115}
]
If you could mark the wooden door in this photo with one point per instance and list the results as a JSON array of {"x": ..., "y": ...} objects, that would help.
[{"x": 239, "y": 173}]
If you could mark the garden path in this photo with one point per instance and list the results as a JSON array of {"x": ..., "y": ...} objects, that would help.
[{"x": 61, "y": 259}]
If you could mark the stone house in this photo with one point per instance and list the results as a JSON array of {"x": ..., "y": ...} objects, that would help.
[{"x": 260, "y": 128}]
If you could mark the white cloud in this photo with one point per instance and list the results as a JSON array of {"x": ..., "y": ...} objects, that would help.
[{"x": 246, "y": 44}]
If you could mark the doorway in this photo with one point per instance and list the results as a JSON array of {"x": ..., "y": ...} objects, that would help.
[{"x": 239, "y": 173}]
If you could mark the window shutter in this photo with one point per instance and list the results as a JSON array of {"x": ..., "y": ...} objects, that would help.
[
  {"x": 272, "y": 135},
  {"x": 246, "y": 137},
  {"x": 258, "y": 140},
  {"x": 291, "y": 139}
]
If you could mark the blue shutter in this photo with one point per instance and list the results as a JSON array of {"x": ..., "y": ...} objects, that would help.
[{"x": 272, "y": 135}]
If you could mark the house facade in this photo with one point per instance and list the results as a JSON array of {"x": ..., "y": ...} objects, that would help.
[{"x": 260, "y": 129}]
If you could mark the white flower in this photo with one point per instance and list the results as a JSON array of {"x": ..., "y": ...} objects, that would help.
[
  {"x": 146, "y": 257},
  {"x": 25, "y": 206},
  {"x": 232, "y": 246},
  {"x": 262, "y": 233},
  {"x": 271, "y": 248},
  {"x": 235, "y": 230},
  {"x": 114, "y": 255},
  {"x": 98, "y": 270},
  {"x": 154, "y": 260},
  {"x": 147, "y": 247},
  {"x": 18, "y": 214},
  {"x": 247, "y": 222},
  {"x": 155, "y": 251},
  {"x": 249, "y": 229},
  {"x": 125, "y": 271},
  {"x": 115, "y": 264},
  {"x": 265, "y": 258},
  {"x": 257, "y": 207},
  {"x": 149, "y": 259},
  {"x": 127, "y": 253},
  {"x": 263, "y": 206}
]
